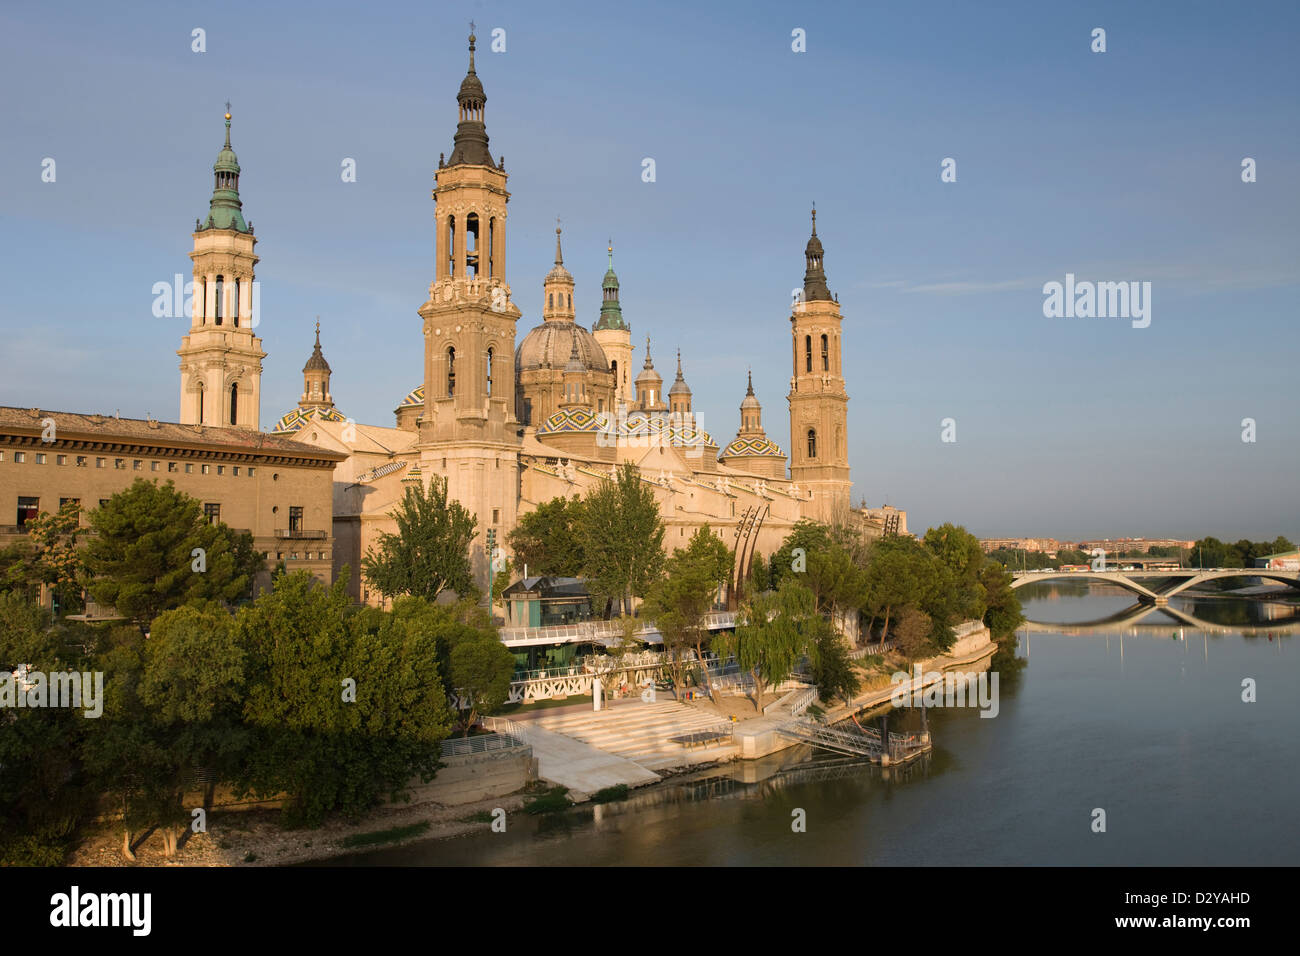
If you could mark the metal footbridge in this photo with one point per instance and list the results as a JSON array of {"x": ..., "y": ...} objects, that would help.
[{"x": 857, "y": 741}]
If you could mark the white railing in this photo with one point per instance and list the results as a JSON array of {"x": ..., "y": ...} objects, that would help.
[
  {"x": 596, "y": 630},
  {"x": 483, "y": 743}
]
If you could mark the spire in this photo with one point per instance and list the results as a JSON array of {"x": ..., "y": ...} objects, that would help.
[
  {"x": 611, "y": 313},
  {"x": 470, "y": 145},
  {"x": 648, "y": 363},
  {"x": 749, "y": 374},
  {"x": 317, "y": 360},
  {"x": 814, "y": 277},
  {"x": 225, "y": 208},
  {"x": 679, "y": 386},
  {"x": 559, "y": 256}
]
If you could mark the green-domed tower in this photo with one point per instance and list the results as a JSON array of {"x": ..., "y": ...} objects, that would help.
[{"x": 615, "y": 335}]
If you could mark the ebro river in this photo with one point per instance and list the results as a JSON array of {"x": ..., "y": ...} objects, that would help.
[{"x": 1145, "y": 723}]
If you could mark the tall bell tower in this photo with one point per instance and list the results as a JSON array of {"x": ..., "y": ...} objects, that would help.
[
  {"x": 469, "y": 433},
  {"x": 819, "y": 462},
  {"x": 221, "y": 358}
]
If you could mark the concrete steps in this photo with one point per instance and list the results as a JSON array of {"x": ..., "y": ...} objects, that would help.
[{"x": 640, "y": 733}]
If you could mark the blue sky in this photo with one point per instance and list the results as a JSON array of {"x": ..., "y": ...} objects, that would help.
[{"x": 1123, "y": 165}]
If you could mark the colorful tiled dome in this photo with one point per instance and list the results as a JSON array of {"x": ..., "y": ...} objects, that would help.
[
  {"x": 751, "y": 447},
  {"x": 413, "y": 398},
  {"x": 296, "y": 419}
]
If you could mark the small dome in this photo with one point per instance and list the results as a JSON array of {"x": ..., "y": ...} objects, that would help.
[
  {"x": 414, "y": 398},
  {"x": 550, "y": 344}
]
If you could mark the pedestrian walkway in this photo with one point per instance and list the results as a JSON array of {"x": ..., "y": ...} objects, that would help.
[{"x": 641, "y": 732}]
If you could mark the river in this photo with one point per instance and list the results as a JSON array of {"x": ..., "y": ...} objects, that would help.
[{"x": 1149, "y": 727}]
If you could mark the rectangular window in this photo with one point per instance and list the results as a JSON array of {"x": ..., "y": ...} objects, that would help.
[
  {"x": 279, "y": 555},
  {"x": 204, "y": 469},
  {"x": 28, "y": 508},
  {"x": 212, "y": 512},
  {"x": 81, "y": 461},
  {"x": 496, "y": 515},
  {"x": 153, "y": 466},
  {"x": 2, "y": 456},
  {"x": 293, "y": 556},
  {"x": 221, "y": 469},
  {"x": 171, "y": 466},
  {"x": 235, "y": 471},
  {"x": 40, "y": 458},
  {"x": 100, "y": 462},
  {"x": 250, "y": 471},
  {"x": 103, "y": 502},
  {"x": 295, "y": 519},
  {"x": 119, "y": 464},
  {"x": 137, "y": 464},
  {"x": 20, "y": 457},
  {"x": 189, "y": 468},
  {"x": 60, "y": 459}
]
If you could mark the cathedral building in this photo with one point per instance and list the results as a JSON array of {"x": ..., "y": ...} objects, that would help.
[{"x": 509, "y": 425}]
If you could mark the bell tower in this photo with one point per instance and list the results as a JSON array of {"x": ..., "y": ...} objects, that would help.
[
  {"x": 819, "y": 462},
  {"x": 221, "y": 358},
  {"x": 469, "y": 435}
]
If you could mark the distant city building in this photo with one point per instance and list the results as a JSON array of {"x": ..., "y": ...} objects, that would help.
[
  {"x": 1285, "y": 561},
  {"x": 1020, "y": 544}
]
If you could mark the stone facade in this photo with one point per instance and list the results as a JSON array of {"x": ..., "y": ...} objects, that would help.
[{"x": 278, "y": 489}]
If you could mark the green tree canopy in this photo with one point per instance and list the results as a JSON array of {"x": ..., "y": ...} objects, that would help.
[
  {"x": 679, "y": 600},
  {"x": 623, "y": 538},
  {"x": 342, "y": 714},
  {"x": 429, "y": 553},
  {"x": 142, "y": 557},
  {"x": 548, "y": 540},
  {"x": 774, "y": 632}
]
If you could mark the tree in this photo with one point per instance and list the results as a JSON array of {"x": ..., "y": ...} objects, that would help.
[
  {"x": 622, "y": 538},
  {"x": 341, "y": 713},
  {"x": 1004, "y": 612},
  {"x": 481, "y": 670},
  {"x": 49, "y": 556},
  {"x": 836, "y": 581},
  {"x": 833, "y": 671},
  {"x": 548, "y": 539},
  {"x": 959, "y": 551},
  {"x": 192, "y": 689},
  {"x": 900, "y": 572},
  {"x": 149, "y": 545},
  {"x": 43, "y": 793},
  {"x": 430, "y": 552},
  {"x": 774, "y": 632},
  {"x": 680, "y": 599},
  {"x": 912, "y": 634},
  {"x": 805, "y": 538}
]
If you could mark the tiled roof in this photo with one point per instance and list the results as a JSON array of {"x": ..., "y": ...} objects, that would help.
[{"x": 108, "y": 428}]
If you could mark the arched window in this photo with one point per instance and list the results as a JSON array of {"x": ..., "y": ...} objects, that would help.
[
  {"x": 807, "y": 346},
  {"x": 613, "y": 367},
  {"x": 471, "y": 245},
  {"x": 826, "y": 355},
  {"x": 571, "y": 300},
  {"x": 451, "y": 371},
  {"x": 489, "y": 373},
  {"x": 812, "y": 443},
  {"x": 492, "y": 245},
  {"x": 235, "y": 311},
  {"x": 234, "y": 404},
  {"x": 550, "y": 300},
  {"x": 221, "y": 291},
  {"x": 451, "y": 245},
  {"x": 200, "y": 403}
]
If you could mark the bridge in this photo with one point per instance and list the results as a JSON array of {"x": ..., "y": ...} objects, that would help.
[
  {"x": 1131, "y": 620},
  {"x": 859, "y": 742},
  {"x": 1165, "y": 584}
]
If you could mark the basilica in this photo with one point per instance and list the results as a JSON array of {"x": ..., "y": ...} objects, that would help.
[{"x": 510, "y": 421}]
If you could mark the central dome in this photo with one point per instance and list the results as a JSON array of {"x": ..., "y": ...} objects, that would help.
[{"x": 551, "y": 343}]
